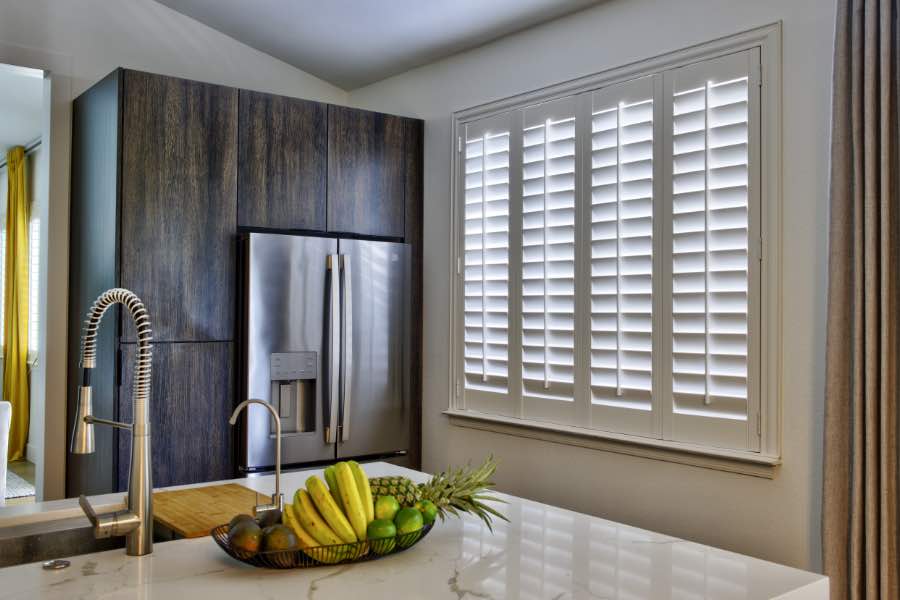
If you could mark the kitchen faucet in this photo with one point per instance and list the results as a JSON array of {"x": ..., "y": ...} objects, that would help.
[
  {"x": 277, "y": 503},
  {"x": 135, "y": 522}
]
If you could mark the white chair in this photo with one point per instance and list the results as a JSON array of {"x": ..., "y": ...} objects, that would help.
[{"x": 5, "y": 418}]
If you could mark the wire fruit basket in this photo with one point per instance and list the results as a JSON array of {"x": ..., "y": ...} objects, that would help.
[{"x": 319, "y": 556}]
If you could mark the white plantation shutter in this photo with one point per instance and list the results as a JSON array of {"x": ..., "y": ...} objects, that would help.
[
  {"x": 621, "y": 257},
  {"x": 548, "y": 260},
  {"x": 485, "y": 268},
  {"x": 714, "y": 226},
  {"x": 609, "y": 257}
]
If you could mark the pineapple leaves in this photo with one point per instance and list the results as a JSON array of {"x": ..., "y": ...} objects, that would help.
[{"x": 455, "y": 491}]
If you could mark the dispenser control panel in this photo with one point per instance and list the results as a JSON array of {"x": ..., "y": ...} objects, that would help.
[{"x": 288, "y": 366}]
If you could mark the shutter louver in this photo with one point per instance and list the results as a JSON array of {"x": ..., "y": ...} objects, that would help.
[
  {"x": 621, "y": 238},
  {"x": 548, "y": 258},
  {"x": 609, "y": 257},
  {"x": 486, "y": 260},
  {"x": 710, "y": 260}
]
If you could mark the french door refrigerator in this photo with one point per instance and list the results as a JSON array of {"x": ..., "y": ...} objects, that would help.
[{"x": 325, "y": 339}]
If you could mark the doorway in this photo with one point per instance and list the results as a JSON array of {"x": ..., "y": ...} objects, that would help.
[{"x": 24, "y": 180}]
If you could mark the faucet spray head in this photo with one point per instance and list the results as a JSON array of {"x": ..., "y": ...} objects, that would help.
[{"x": 83, "y": 431}]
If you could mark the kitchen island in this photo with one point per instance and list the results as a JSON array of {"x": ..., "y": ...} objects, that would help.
[{"x": 544, "y": 552}]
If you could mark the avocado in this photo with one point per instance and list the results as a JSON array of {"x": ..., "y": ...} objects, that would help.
[
  {"x": 278, "y": 538},
  {"x": 237, "y": 519},
  {"x": 245, "y": 536}
]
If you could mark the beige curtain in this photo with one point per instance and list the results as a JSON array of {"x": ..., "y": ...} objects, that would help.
[{"x": 860, "y": 502}]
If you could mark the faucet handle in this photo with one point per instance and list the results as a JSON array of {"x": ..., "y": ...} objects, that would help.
[
  {"x": 111, "y": 524},
  {"x": 88, "y": 510}
]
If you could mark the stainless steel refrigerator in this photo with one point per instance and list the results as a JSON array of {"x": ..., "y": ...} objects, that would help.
[{"x": 325, "y": 339}]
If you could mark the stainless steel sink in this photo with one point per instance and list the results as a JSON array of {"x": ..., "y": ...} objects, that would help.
[{"x": 57, "y": 539}]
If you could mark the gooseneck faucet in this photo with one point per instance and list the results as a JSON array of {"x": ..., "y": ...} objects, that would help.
[
  {"x": 136, "y": 521},
  {"x": 277, "y": 503}
]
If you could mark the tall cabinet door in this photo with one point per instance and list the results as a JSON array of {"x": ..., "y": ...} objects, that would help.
[
  {"x": 366, "y": 173},
  {"x": 178, "y": 205},
  {"x": 282, "y": 160},
  {"x": 191, "y": 398}
]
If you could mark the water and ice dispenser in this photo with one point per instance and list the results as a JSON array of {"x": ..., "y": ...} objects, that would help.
[{"x": 293, "y": 394}]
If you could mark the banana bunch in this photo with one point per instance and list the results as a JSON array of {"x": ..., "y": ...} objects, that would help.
[{"x": 336, "y": 514}]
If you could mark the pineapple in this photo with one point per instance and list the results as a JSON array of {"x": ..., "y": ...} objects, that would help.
[{"x": 459, "y": 490}]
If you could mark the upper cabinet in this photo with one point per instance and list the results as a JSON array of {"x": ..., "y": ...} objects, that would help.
[
  {"x": 178, "y": 205},
  {"x": 366, "y": 172},
  {"x": 282, "y": 162}
]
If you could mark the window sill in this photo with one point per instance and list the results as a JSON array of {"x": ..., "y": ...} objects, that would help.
[{"x": 733, "y": 461}]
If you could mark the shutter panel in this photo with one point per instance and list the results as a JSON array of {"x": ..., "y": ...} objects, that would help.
[
  {"x": 485, "y": 269},
  {"x": 714, "y": 216},
  {"x": 621, "y": 253},
  {"x": 548, "y": 260}
]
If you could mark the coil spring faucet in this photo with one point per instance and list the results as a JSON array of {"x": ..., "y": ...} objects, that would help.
[{"x": 136, "y": 521}]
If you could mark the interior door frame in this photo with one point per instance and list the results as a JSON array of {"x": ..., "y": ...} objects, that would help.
[{"x": 50, "y": 372}]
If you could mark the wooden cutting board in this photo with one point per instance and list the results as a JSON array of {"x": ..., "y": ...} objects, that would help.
[{"x": 194, "y": 512}]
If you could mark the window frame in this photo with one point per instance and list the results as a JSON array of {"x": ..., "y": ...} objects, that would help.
[{"x": 768, "y": 416}]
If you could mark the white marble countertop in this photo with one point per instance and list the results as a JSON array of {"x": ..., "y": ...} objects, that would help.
[{"x": 544, "y": 552}]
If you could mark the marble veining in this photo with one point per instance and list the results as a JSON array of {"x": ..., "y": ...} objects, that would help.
[{"x": 543, "y": 553}]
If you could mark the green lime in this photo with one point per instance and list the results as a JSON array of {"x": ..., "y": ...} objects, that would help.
[
  {"x": 386, "y": 507},
  {"x": 382, "y": 535},
  {"x": 428, "y": 509},
  {"x": 409, "y": 524}
]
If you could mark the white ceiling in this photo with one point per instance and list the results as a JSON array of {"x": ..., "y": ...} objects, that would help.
[
  {"x": 21, "y": 99},
  {"x": 351, "y": 43}
]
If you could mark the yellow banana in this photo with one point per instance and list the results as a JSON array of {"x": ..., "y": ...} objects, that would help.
[
  {"x": 312, "y": 521},
  {"x": 331, "y": 480},
  {"x": 308, "y": 543},
  {"x": 289, "y": 516},
  {"x": 329, "y": 509},
  {"x": 365, "y": 492},
  {"x": 351, "y": 499}
]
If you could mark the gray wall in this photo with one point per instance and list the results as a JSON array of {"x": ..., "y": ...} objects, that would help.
[{"x": 775, "y": 519}]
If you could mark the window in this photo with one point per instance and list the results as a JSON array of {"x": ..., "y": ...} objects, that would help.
[
  {"x": 610, "y": 277},
  {"x": 34, "y": 256}
]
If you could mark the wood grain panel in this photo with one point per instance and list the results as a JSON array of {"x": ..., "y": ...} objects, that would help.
[
  {"x": 282, "y": 160},
  {"x": 413, "y": 195},
  {"x": 191, "y": 400},
  {"x": 93, "y": 250},
  {"x": 366, "y": 173},
  {"x": 179, "y": 205}
]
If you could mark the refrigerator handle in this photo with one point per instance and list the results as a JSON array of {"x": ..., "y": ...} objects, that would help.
[
  {"x": 334, "y": 344},
  {"x": 346, "y": 348}
]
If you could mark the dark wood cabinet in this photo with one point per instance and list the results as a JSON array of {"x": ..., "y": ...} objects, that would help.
[
  {"x": 154, "y": 210},
  {"x": 93, "y": 268},
  {"x": 366, "y": 172},
  {"x": 165, "y": 172},
  {"x": 282, "y": 162},
  {"x": 178, "y": 205},
  {"x": 413, "y": 143},
  {"x": 191, "y": 398}
]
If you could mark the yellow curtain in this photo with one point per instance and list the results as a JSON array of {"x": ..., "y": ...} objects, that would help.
[{"x": 15, "y": 303}]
